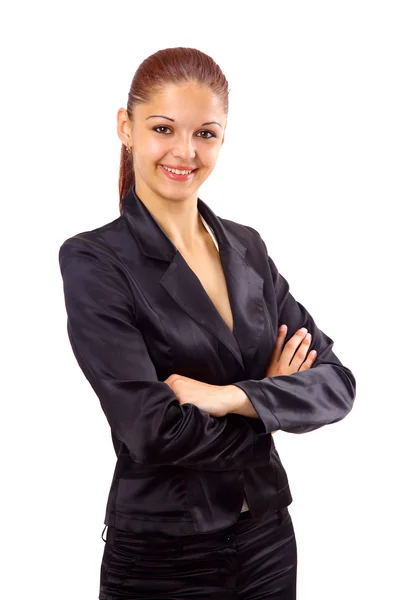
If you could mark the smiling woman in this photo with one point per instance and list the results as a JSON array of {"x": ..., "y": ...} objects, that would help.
[
  {"x": 169, "y": 140},
  {"x": 174, "y": 317}
]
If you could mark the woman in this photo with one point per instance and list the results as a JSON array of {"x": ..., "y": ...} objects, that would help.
[{"x": 174, "y": 317}]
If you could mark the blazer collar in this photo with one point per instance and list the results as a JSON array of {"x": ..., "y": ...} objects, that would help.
[
  {"x": 244, "y": 284},
  {"x": 152, "y": 239}
]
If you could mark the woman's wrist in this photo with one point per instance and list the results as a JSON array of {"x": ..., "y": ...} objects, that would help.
[{"x": 238, "y": 402}]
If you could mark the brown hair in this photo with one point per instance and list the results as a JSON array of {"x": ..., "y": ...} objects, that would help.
[{"x": 175, "y": 66}]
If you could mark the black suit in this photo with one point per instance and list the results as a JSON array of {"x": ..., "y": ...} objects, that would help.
[{"x": 136, "y": 314}]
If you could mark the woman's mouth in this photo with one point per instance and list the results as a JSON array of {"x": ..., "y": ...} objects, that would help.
[{"x": 178, "y": 174}]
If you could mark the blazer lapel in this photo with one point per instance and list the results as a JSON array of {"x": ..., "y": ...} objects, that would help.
[
  {"x": 187, "y": 291},
  {"x": 244, "y": 284}
]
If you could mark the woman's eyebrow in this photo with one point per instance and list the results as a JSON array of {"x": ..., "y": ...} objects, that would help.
[{"x": 173, "y": 120}]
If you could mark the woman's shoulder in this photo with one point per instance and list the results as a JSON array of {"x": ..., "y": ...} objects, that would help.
[
  {"x": 245, "y": 234},
  {"x": 99, "y": 236},
  {"x": 100, "y": 241}
]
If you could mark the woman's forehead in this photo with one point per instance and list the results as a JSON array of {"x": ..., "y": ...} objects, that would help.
[{"x": 175, "y": 102}]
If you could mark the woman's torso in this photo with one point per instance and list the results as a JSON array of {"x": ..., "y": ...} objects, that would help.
[{"x": 174, "y": 316}]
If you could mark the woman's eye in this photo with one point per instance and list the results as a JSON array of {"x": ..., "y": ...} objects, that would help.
[
  {"x": 207, "y": 131},
  {"x": 203, "y": 131},
  {"x": 160, "y": 127}
]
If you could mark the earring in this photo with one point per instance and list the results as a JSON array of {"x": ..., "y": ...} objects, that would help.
[{"x": 128, "y": 149}]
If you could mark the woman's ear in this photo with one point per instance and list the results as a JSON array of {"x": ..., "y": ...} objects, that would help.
[{"x": 124, "y": 127}]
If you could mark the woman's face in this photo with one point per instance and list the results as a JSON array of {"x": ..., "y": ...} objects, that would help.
[{"x": 188, "y": 133}]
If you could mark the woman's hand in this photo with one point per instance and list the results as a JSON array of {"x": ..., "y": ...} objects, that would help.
[
  {"x": 218, "y": 400},
  {"x": 212, "y": 399},
  {"x": 281, "y": 360},
  {"x": 285, "y": 361}
]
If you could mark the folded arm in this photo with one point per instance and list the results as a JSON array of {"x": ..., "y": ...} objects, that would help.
[{"x": 305, "y": 400}]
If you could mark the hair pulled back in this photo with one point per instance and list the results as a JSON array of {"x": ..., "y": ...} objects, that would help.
[{"x": 170, "y": 66}]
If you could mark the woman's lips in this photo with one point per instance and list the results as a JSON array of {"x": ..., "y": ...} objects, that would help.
[{"x": 176, "y": 177}]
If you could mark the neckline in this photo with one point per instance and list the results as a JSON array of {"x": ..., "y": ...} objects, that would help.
[{"x": 210, "y": 230}]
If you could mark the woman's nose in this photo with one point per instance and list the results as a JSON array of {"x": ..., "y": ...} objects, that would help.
[{"x": 184, "y": 149}]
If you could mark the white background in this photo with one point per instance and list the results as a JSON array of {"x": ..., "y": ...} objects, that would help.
[{"x": 309, "y": 161}]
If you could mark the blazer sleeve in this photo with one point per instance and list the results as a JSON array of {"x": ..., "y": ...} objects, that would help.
[
  {"x": 305, "y": 400},
  {"x": 142, "y": 411}
]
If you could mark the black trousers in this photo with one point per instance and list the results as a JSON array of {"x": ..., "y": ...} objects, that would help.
[{"x": 252, "y": 559}]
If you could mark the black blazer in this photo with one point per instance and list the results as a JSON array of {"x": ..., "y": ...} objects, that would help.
[{"x": 136, "y": 314}]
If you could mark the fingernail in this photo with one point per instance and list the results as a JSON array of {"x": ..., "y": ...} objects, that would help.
[
  {"x": 282, "y": 328},
  {"x": 304, "y": 330}
]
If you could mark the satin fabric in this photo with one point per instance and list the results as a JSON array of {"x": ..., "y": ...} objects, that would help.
[
  {"x": 136, "y": 313},
  {"x": 253, "y": 559},
  {"x": 245, "y": 506}
]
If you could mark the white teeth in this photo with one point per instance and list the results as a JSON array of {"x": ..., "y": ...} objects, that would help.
[{"x": 177, "y": 171}]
